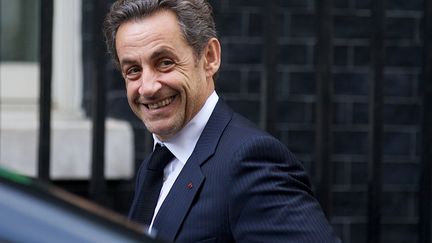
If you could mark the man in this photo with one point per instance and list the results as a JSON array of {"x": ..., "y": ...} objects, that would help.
[{"x": 228, "y": 181}]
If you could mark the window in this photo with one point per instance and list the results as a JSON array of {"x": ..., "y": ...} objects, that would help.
[
  {"x": 19, "y": 30},
  {"x": 19, "y": 40}
]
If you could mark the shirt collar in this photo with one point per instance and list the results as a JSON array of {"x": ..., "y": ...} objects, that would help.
[{"x": 183, "y": 143}]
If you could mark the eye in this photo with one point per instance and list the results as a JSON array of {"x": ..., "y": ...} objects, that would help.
[
  {"x": 133, "y": 73},
  {"x": 165, "y": 65}
]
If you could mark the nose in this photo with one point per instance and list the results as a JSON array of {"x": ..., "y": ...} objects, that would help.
[{"x": 149, "y": 85}]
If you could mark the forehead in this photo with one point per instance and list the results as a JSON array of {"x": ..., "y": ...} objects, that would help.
[{"x": 160, "y": 28}]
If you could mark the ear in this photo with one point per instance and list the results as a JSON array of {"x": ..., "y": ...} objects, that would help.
[{"x": 212, "y": 57}]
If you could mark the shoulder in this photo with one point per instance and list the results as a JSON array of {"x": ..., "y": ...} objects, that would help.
[
  {"x": 246, "y": 137},
  {"x": 238, "y": 139}
]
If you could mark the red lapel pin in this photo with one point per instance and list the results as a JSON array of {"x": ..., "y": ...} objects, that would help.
[{"x": 189, "y": 185}]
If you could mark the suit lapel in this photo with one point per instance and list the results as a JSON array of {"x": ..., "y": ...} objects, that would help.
[{"x": 179, "y": 199}]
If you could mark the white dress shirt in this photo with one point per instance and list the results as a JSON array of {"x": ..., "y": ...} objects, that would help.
[{"x": 182, "y": 146}]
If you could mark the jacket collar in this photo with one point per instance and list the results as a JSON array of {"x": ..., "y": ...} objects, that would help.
[{"x": 179, "y": 199}]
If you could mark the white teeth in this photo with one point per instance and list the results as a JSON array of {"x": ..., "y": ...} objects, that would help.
[{"x": 160, "y": 104}]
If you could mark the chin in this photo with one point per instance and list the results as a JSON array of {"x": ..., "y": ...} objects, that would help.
[
  {"x": 166, "y": 132},
  {"x": 158, "y": 130}
]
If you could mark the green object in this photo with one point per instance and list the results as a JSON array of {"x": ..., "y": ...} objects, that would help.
[{"x": 9, "y": 175}]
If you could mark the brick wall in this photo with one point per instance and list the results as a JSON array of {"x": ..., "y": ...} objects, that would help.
[{"x": 241, "y": 27}]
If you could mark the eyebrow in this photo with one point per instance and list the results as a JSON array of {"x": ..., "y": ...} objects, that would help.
[
  {"x": 127, "y": 61},
  {"x": 161, "y": 53}
]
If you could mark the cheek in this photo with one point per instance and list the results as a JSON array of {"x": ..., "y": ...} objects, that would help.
[
  {"x": 128, "y": 93},
  {"x": 131, "y": 97},
  {"x": 131, "y": 88}
]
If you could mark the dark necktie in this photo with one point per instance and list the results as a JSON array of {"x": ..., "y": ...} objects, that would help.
[{"x": 152, "y": 184}]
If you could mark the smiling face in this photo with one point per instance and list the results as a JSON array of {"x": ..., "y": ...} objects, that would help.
[{"x": 166, "y": 83}]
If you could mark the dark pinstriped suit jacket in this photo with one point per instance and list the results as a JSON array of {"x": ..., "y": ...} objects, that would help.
[{"x": 240, "y": 185}]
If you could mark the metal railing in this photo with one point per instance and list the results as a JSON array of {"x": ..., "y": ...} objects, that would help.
[
  {"x": 45, "y": 51},
  {"x": 324, "y": 107},
  {"x": 97, "y": 186},
  {"x": 377, "y": 54},
  {"x": 425, "y": 205}
]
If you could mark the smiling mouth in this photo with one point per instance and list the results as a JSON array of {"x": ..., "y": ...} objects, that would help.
[{"x": 161, "y": 103}]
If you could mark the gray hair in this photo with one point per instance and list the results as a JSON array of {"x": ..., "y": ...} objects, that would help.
[{"x": 195, "y": 19}]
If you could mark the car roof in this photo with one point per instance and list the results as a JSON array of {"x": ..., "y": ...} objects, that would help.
[{"x": 35, "y": 211}]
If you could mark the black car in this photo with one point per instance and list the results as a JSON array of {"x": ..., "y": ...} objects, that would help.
[{"x": 33, "y": 211}]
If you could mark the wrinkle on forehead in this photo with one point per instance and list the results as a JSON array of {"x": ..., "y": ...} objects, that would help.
[
  {"x": 144, "y": 28},
  {"x": 151, "y": 32}
]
